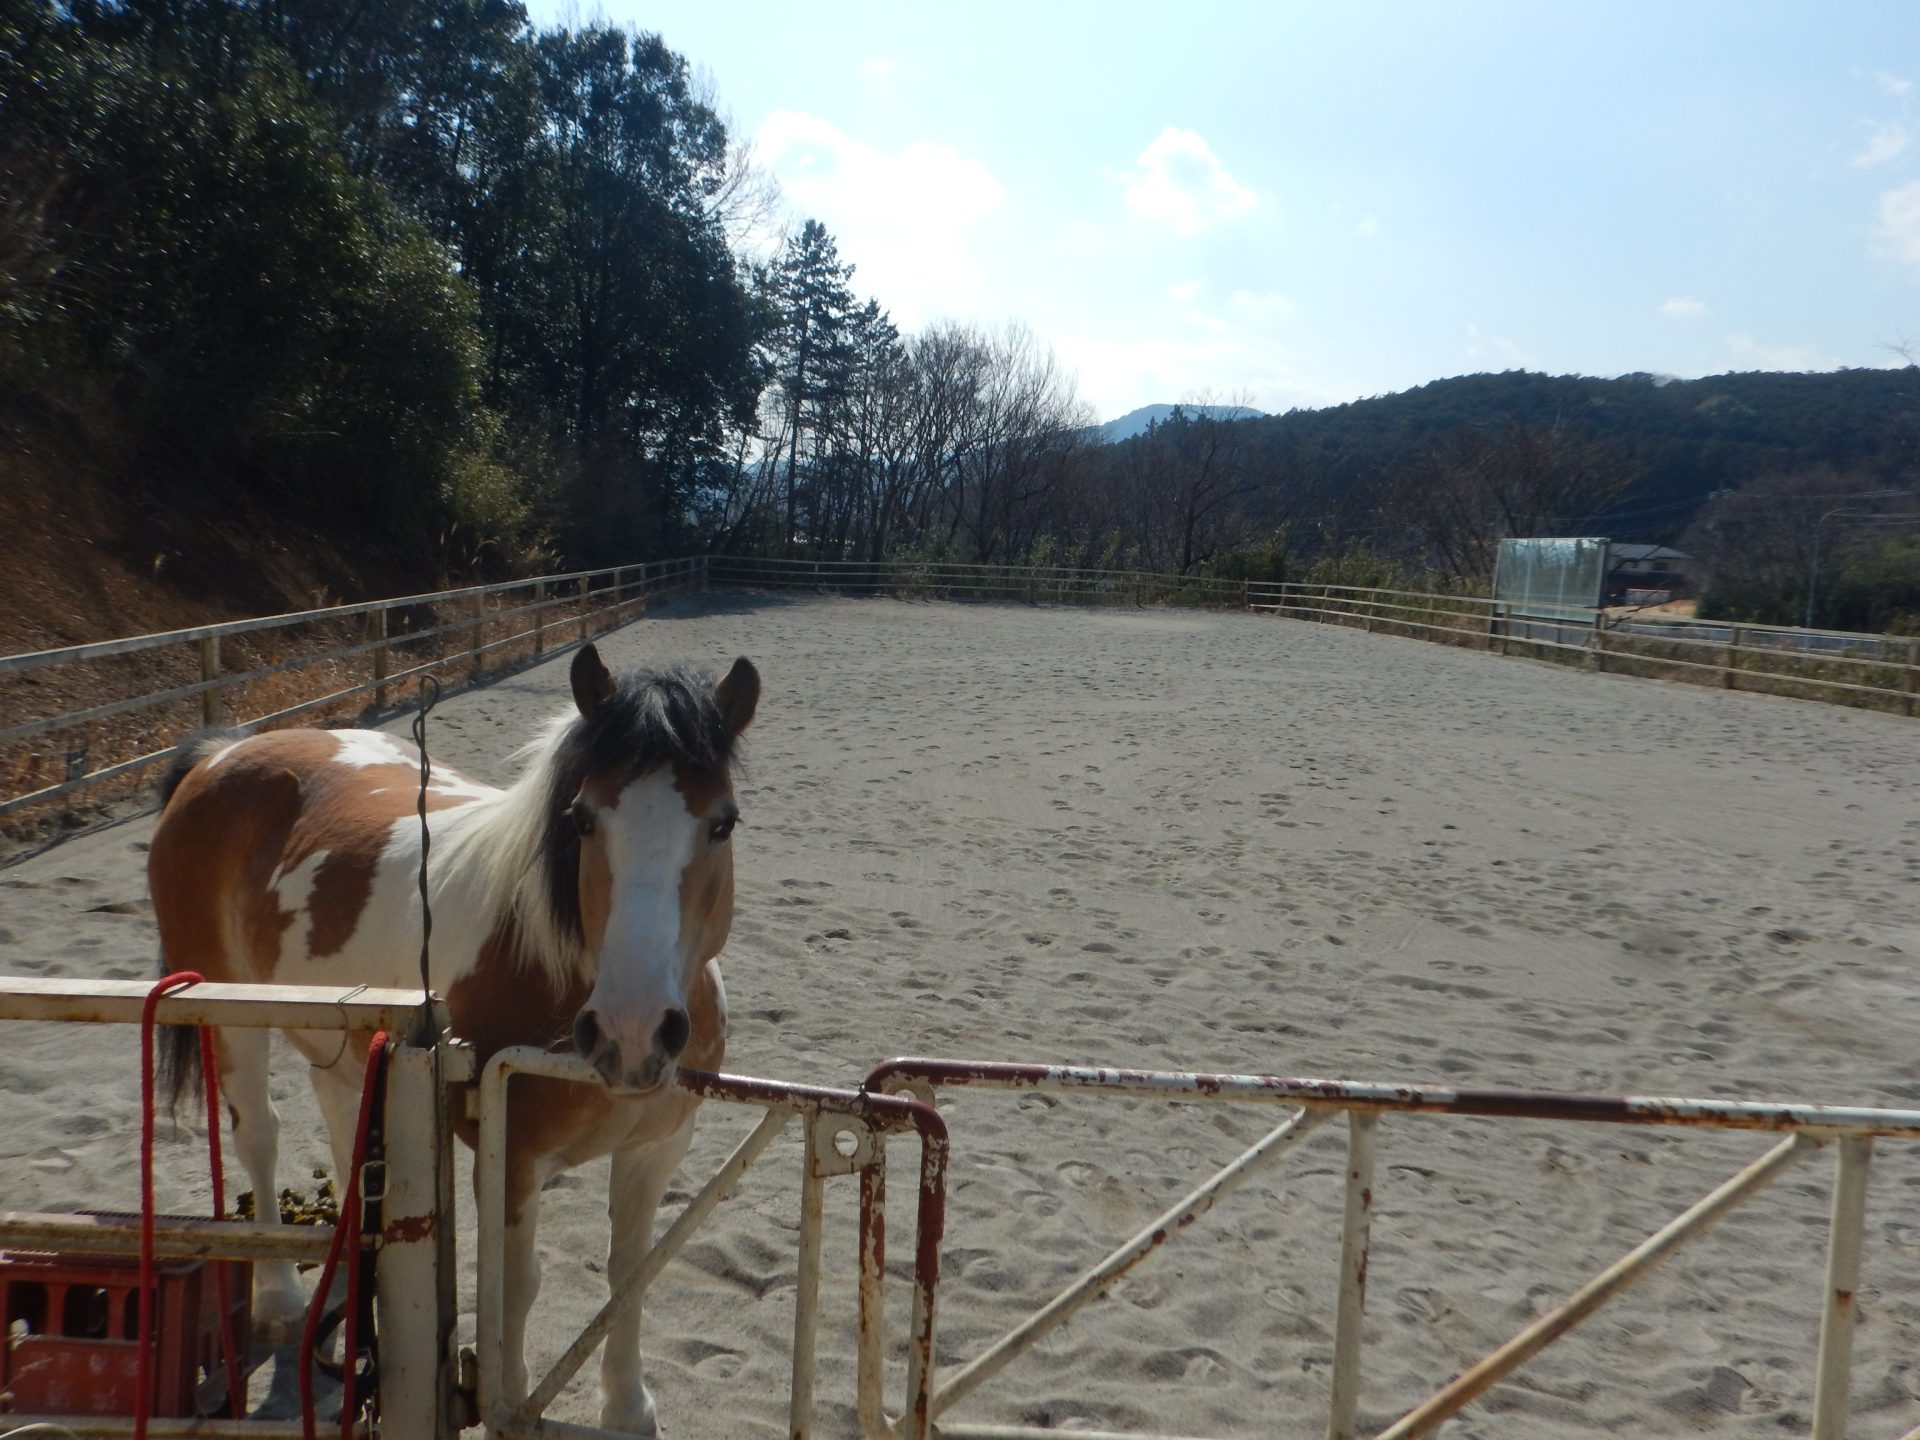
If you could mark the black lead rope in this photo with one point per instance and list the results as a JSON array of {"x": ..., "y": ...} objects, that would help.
[{"x": 424, "y": 1030}]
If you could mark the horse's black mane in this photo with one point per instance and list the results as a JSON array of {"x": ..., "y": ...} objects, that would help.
[{"x": 652, "y": 718}]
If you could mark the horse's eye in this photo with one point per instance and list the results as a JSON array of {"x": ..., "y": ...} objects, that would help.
[
  {"x": 582, "y": 818},
  {"x": 723, "y": 828}
]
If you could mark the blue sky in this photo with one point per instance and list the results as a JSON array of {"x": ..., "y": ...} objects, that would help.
[{"x": 1303, "y": 204}]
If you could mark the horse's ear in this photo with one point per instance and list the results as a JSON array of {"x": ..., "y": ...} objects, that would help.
[
  {"x": 592, "y": 681},
  {"x": 737, "y": 695}
]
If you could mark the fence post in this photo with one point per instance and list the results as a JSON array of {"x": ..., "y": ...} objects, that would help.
[
  {"x": 1730, "y": 662},
  {"x": 380, "y": 659},
  {"x": 1913, "y": 674},
  {"x": 414, "y": 1275},
  {"x": 475, "y": 629},
  {"x": 210, "y": 670},
  {"x": 1355, "y": 1243},
  {"x": 539, "y": 618},
  {"x": 1597, "y": 653},
  {"x": 586, "y": 607}
]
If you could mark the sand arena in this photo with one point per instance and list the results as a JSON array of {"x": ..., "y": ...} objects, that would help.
[{"x": 1225, "y": 842}]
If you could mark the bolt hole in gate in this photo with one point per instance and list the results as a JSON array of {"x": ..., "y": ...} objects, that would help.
[{"x": 846, "y": 1142}]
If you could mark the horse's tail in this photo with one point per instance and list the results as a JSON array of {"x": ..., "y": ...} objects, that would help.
[
  {"x": 181, "y": 1074},
  {"x": 189, "y": 752}
]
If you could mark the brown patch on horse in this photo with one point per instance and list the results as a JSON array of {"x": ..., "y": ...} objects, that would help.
[
  {"x": 706, "y": 885},
  {"x": 214, "y": 849},
  {"x": 507, "y": 1000},
  {"x": 272, "y": 803}
]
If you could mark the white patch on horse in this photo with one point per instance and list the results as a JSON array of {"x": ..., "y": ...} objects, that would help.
[
  {"x": 223, "y": 752},
  {"x": 370, "y": 747},
  {"x": 458, "y": 786},
  {"x": 293, "y": 892},
  {"x": 650, "y": 840}
]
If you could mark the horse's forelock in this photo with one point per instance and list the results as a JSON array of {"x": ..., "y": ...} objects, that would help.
[{"x": 652, "y": 718}]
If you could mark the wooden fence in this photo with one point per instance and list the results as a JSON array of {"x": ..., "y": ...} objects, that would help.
[{"x": 350, "y": 658}]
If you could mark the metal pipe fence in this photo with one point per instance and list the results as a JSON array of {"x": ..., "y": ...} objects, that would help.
[
  {"x": 1876, "y": 671},
  {"x": 1805, "y": 1129},
  {"x": 343, "y": 658},
  {"x": 844, "y": 1133}
]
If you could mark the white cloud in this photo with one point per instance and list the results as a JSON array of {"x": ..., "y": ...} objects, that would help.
[
  {"x": 1751, "y": 352},
  {"x": 880, "y": 72},
  {"x": 1186, "y": 291},
  {"x": 1883, "y": 145},
  {"x": 1683, "y": 307},
  {"x": 1892, "y": 84},
  {"x": 907, "y": 218},
  {"x": 1368, "y": 228},
  {"x": 1898, "y": 232},
  {"x": 1181, "y": 183}
]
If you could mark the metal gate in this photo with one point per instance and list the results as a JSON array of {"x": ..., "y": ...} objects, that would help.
[{"x": 1804, "y": 1129}]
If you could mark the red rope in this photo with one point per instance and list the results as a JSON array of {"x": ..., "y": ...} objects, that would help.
[
  {"x": 236, "y": 1381},
  {"x": 349, "y": 1226},
  {"x": 143, "y": 1389}
]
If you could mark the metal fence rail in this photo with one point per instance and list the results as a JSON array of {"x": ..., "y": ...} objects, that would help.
[
  {"x": 1805, "y": 1129},
  {"x": 348, "y": 653},
  {"x": 1832, "y": 665},
  {"x": 473, "y": 626},
  {"x": 845, "y": 1134},
  {"x": 952, "y": 580}
]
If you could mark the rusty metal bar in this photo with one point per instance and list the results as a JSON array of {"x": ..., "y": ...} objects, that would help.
[
  {"x": 871, "y": 1114},
  {"x": 1832, "y": 1390},
  {"x": 1632, "y": 1266},
  {"x": 870, "y": 1351},
  {"x": 806, "y": 1283},
  {"x": 1425, "y": 1099},
  {"x": 1355, "y": 1245},
  {"x": 1090, "y": 1282}
]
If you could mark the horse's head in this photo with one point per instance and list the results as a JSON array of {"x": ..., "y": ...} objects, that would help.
[{"x": 646, "y": 811}]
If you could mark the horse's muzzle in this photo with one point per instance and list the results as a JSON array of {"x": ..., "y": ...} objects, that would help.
[{"x": 597, "y": 1046}]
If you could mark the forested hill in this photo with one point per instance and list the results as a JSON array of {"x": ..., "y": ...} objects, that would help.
[{"x": 1673, "y": 442}]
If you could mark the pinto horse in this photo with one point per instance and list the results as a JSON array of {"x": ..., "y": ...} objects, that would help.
[{"x": 583, "y": 906}]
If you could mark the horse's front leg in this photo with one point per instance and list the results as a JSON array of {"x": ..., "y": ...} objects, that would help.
[
  {"x": 640, "y": 1177},
  {"x": 519, "y": 1276}
]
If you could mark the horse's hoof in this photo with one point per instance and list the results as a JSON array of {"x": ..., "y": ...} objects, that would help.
[
  {"x": 631, "y": 1419},
  {"x": 279, "y": 1316}
]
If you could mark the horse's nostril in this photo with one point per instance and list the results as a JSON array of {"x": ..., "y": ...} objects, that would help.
[
  {"x": 586, "y": 1034},
  {"x": 675, "y": 1031}
]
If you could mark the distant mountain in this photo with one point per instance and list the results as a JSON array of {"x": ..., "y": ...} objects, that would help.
[
  {"x": 1135, "y": 422},
  {"x": 1680, "y": 440}
]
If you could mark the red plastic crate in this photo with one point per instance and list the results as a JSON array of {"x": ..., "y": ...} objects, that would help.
[{"x": 73, "y": 1323}]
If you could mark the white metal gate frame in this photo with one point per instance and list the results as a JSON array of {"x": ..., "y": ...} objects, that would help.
[
  {"x": 845, "y": 1134},
  {"x": 414, "y": 1271},
  {"x": 1806, "y": 1128}
]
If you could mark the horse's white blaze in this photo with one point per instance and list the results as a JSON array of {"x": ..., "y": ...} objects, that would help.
[{"x": 650, "y": 840}]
